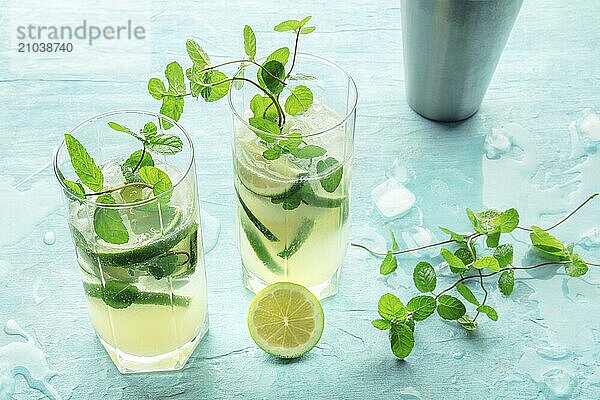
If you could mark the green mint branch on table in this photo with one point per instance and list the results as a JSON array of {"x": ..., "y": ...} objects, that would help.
[
  {"x": 466, "y": 262},
  {"x": 269, "y": 107}
]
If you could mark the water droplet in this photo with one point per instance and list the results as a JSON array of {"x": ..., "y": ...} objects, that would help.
[
  {"x": 590, "y": 239},
  {"x": 458, "y": 354},
  {"x": 49, "y": 238},
  {"x": 26, "y": 359},
  {"x": 553, "y": 352}
]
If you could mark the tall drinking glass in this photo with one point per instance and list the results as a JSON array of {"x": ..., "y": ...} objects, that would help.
[
  {"x": 293, "y": 210},
  {"x": 143, "y": 275}
]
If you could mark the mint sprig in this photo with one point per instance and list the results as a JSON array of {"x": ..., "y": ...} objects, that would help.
[
  {"x": 495, "y": 260},
  {"x": 138, "y": 171}
]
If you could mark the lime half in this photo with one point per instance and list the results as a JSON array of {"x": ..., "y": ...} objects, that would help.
[{"x": 285, "y": 320}]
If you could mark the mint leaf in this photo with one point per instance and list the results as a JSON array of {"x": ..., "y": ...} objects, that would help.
[
  {"x": 457, "y": 237},
  {"x": 546, "y": 244},
  {"x": 465, "y": 256},
  {"x": 264, "y": 125},
  {"x": 282, "y": 55},
  {"x": 217, "y": 92},
  {"x": 506, "y": 282},
  {"x": 289, "y": 25},
  {"x": 238, "y": 84},
  {"x": 159, "y": 180},
  {"x": 578, "y": 267},
  {"x": 263, "y": 107},
  {"x": 485, "y": 220},
  {"x": 108, "y": 223},
  {"x": 381, "y": 324},
  {"x": 504, "y": 255},
  {"x": 307, "y": 30},
  {"x": 166, "y": 264},
  {"x": 389, "y": 264},
  {"x": 450, "y": 307},
  {"x": 75, "y": 187},
  {"x": 165, "y": 144},
  {"x": 291, "y": 142},
  {"x": 272, "y": 153},
  {"x": 249, "y": 42},
  {"x": 467, "y": 322},
  {"x": 394, "y": 242},
  {"x": 424, "y": 277},
  {"x": 172, "y": 107},
  {"x": 86, "y": 169},
  {"x": 455, "y": 263},
  {"x": 489, "y": 311},
  {"x": 391, "y": 308},
  {"x": 174, "y": 75},
  {"x": 330, "y": 182},
  {"x": 473, "y": 220},
  {"x": 120, "y": 128},
  {"x": 119, "y": 295},
  {"x": 492, "y": 239},
  {"x": 467, "y": 294},
  {"x": 421, "y": 307},
  {"x": 272, "y": 74},
  {"x": 309, "y": 151},
  {"x": 487, "y": 262},
  {"x": 507, "y": 221},
  {"x": 150, "y": 130},
  {"x": 132, "y": 162},
  {"x": 402, "y": 340},
  {"x": 305, "y": 20},
  {"x": 156, "y": 88},
  {"x": 299, "y": 100},
  {"x": 197, "y": 54}
]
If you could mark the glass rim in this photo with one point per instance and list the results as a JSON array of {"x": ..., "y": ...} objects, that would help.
[
  {"x": 349, "y": 113},
  {"x": 58, "y": 173}
]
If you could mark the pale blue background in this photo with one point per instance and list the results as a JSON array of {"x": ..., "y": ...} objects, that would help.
[{"x": 547, "y": 341}]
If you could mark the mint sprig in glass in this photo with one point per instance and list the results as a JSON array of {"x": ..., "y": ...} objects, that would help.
[
  {"x": 130, "y": 188},
  {"x": 293, "y": 135}
]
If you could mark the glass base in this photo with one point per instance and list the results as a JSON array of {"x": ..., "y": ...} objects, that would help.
[
  {"x": 171, "y": 361},
  {"x": 321, "y": 291}
]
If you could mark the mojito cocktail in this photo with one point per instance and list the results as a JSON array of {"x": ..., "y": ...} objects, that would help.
[
  {"x": 133, "y": 216},
  {"x": 293, "y": 188}
]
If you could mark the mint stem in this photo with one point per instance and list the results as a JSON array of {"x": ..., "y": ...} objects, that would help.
[
  {"x": 244, "y": 61},
  {"x": 295, "y": 52},
  {"x": 141, "y": 158},
  {"x": 566, "y": 217}
]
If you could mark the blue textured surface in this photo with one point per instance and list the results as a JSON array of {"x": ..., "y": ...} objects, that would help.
[{"x": 547, "y": 341}]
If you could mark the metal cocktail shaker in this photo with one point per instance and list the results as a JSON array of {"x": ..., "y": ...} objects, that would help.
[{"x": 451, "y": 48}]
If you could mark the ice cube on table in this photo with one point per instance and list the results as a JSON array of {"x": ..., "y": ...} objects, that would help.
[
  {"x": 392, "y": 198},
  {"x": 497, "y": 143},
  {"x": 589, "y": 128},
  {"x": 398, "y": 171},
  {"x": 418, "y": 236}
]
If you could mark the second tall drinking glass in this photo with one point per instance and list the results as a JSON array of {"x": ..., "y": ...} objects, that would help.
[{"x": 293, "y": 207}]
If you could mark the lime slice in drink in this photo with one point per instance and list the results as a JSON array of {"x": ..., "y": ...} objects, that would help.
[
  {"x": 274, "y": 178},
  {"x": 285, "y": 320}
]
